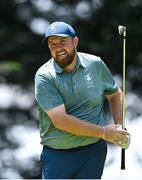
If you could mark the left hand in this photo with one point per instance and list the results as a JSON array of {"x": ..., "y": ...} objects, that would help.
[{"x": 124, "y": 144}]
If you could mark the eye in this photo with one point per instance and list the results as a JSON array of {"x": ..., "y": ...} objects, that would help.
[
  {"x": 63, "y": 42},
  {"x": 51, "y": 45}
]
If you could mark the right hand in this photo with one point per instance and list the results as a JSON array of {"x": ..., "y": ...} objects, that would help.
[{"x": 115, "y": 135}]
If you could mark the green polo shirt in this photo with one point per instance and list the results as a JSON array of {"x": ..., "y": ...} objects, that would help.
[{"x": 82, "y": 92}]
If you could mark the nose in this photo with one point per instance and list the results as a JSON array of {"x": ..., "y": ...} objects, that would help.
[{"x": 58, "y": 46}]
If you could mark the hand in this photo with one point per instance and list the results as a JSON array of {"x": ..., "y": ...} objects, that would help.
[
  {"x": 115, "y": 135},
  {"x": 125, "y": 145}
]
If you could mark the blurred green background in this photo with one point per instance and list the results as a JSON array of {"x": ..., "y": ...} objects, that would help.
[{"x": 22, "y": 27}]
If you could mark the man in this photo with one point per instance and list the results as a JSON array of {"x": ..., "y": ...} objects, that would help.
[{"x": 70, "y": 90}]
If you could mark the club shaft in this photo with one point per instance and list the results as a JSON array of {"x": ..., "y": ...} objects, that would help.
[
  {"x": 124, "y": 82},
  {"x": 123, "y": 98}
]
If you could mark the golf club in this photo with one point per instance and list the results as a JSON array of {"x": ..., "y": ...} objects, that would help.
[{"x": 122, "y": 32}]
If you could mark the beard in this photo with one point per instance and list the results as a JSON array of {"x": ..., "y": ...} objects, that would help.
[{"x": 64, "y": 59}]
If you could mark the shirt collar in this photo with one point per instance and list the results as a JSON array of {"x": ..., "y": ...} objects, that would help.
[
  {"x": 80, "y": 61},
  {"x": 58, "y": 69}
]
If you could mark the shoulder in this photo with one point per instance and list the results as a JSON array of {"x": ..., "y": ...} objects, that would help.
[
  {"x": 46, "y": 69},
  {"x": 89, "y": 59}
]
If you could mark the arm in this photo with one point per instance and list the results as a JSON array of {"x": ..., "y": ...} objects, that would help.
[
  {"x": 65, "y": 122},
  {"x": 115, "y": 102}
]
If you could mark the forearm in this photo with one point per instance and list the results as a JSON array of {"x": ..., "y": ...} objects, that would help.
[
  {"x": 62, "y": 120},
  {"x": 78, "y": 127},
  {"x": 115, "y": 103},
  {"x": 69, "y": 123}
]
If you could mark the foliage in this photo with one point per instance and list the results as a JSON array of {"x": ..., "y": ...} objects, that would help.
[{"x": 22, "y": 27}]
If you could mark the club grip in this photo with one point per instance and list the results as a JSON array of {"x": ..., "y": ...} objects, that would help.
[{"x": 123, "y": 159}]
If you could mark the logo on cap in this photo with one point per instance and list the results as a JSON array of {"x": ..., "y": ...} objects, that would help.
[{"x": 53, "y": 28}]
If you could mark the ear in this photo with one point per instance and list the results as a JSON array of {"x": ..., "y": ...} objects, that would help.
[{"x": 75, "y": 41}]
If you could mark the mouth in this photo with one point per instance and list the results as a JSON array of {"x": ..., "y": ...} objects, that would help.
[{"x": 61, "y": 54}]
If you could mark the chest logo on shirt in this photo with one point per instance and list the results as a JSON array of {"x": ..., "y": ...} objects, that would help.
[{"x": 89, "y": 80}]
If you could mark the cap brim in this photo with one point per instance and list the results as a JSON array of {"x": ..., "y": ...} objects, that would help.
[{"x": 60, "y": 35}]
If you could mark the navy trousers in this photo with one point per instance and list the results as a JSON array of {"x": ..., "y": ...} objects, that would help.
[{"x": 80, "y": 163}]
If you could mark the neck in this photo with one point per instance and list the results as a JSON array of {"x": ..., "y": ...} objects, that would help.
[{"x": 71, "y": 67}]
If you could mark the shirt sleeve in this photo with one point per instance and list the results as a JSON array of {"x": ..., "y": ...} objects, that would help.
[
  {"x": 46, "y": 93},
  {"x": 109, "y": 83}
]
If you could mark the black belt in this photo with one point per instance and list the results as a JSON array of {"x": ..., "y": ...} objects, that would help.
[{"x": 72, "y": 149}]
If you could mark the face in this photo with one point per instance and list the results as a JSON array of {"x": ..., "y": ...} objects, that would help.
[{"x": 63, "y": 49}]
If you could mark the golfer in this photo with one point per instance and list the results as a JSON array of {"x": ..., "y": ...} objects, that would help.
[{"x": 70, "y": 90}]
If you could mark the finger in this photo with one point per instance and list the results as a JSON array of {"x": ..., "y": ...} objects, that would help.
[
  {"x": 116, "y": 142},
  {"x": 121, "y": 136},
  {"x": 120, "y": 142},
  {"x": 124, "y": 143},
  {"x": 125, "y": 146},
  {"x": 124, "y": 132},
  {"x": 118, "y": 126}
]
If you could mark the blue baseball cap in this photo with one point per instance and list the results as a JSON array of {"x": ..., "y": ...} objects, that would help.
[{"x": 59, "y": 28}]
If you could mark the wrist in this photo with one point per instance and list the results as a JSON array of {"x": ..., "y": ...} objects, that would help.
[{"x": 102, "y": 132}]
